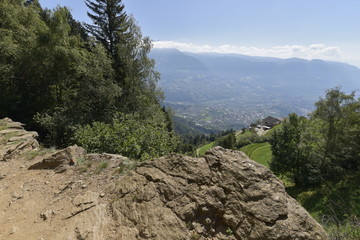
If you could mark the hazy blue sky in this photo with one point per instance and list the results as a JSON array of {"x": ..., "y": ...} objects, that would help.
[{"x": 325, "y": 29}]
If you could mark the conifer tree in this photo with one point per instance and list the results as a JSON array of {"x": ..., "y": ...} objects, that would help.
[
  {"x": 134, "y": 70},
  {"x": 109, "y": 18}
]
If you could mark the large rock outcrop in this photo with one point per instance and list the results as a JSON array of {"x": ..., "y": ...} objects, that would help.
[
  {"x": 223, "y": 195},
  {"x": 68, "y": 194}
]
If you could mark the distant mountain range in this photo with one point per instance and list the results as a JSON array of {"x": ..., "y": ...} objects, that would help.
[{"x": 219, "y": 91}]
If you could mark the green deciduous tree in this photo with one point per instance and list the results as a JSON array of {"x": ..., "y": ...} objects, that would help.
[
  {"x": 46, "y": 71},
  {"x": 55, "y": 78},
  {"x": 337, "y": 134},
  {"x": 137, "y": 72},
  {"x": 20, "y": 29},
  {"x": 289, "y": 155},
  {"x": 323, "y": 148}
]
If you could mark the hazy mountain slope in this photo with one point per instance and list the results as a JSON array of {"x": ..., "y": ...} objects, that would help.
[
  {"x": 182, "y": 76},
  {"x": 283, "y": 75},
  {"x": 220, "y": 91}
]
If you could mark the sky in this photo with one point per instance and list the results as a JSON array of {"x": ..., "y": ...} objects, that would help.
[{"x": 310, "y": 29}]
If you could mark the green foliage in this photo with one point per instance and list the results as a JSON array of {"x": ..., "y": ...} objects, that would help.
[
  {"x": 128, "y": 135},
  {"x": 334, "y": 205},
  {"x": 54, "y": 77},
  {"x": 201, "y": 151},
  {"x": 272, "y": 130},
  {"x": 228, "y": 141},
  {"x": 290, "y": 157},
  {"x": 103, "y": 165},
  {"x": 109, "y": 19},
  {"x": 325, "y": 147},
  {"x": 336, "y": 131},
  {"x": 135, "y": 71},
  {"x": 344, "y": 230},
  {"x": 259, "y": 152},
  {"x": 247, "y": 137},
  {"x": 229, "y": 232},
  {"x": 324, "y": 150},
  {"x": 123, "y": 40}
]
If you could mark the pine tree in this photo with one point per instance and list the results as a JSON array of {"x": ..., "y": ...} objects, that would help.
[{"x": 109, "y": 19}]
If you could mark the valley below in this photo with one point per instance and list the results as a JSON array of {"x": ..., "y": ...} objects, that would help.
[{"x": 223, "y": 91}]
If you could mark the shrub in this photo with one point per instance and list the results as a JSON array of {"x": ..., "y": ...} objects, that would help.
[{"x": 129, "y": 136}]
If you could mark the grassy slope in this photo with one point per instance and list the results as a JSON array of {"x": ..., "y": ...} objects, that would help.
[
  {"x": 259, "y": 152},
  {"x": 342, "y": 197},
  {"x": 201, "y": 151},
  {"x": 335, "y": 205},
  {"x": 273, "y": 129},
  {"x": 244, "y": 134}
]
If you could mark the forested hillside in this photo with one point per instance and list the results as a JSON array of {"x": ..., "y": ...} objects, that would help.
[{"x": 71, "y": 82}]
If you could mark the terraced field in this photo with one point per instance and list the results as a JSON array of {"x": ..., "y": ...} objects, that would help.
[{"x": 259, "y": 152}]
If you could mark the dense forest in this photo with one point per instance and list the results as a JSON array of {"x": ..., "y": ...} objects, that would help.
[{"x": 91, "y": 84}]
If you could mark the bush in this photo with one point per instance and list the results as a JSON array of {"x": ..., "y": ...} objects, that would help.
[{"x": 128, "y": 135}]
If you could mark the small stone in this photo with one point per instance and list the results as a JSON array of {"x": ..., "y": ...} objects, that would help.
[
  {"x": 17, "y": 196},
  {"x": 46, "y": 215},
  {"x": 83, "y": 186},
  {"x": 13, "y": 230},
  {"x": 102, "y": 195}
]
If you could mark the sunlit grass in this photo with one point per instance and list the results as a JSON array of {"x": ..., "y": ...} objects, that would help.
[
  {"x": 273, "y": 129},
  {"x": 201, "y": 151},
  {"x": 259, "y": 152}
]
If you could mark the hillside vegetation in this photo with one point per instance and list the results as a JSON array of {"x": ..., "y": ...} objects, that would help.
[{"x": 91, "y": 84}]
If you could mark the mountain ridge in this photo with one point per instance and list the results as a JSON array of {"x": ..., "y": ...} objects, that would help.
[{"x": 249, "y": 87}]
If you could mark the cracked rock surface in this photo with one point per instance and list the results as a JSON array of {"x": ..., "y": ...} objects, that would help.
[
  {"x": 69, "y": 194},
  {"x": 223, "y": 195}
]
